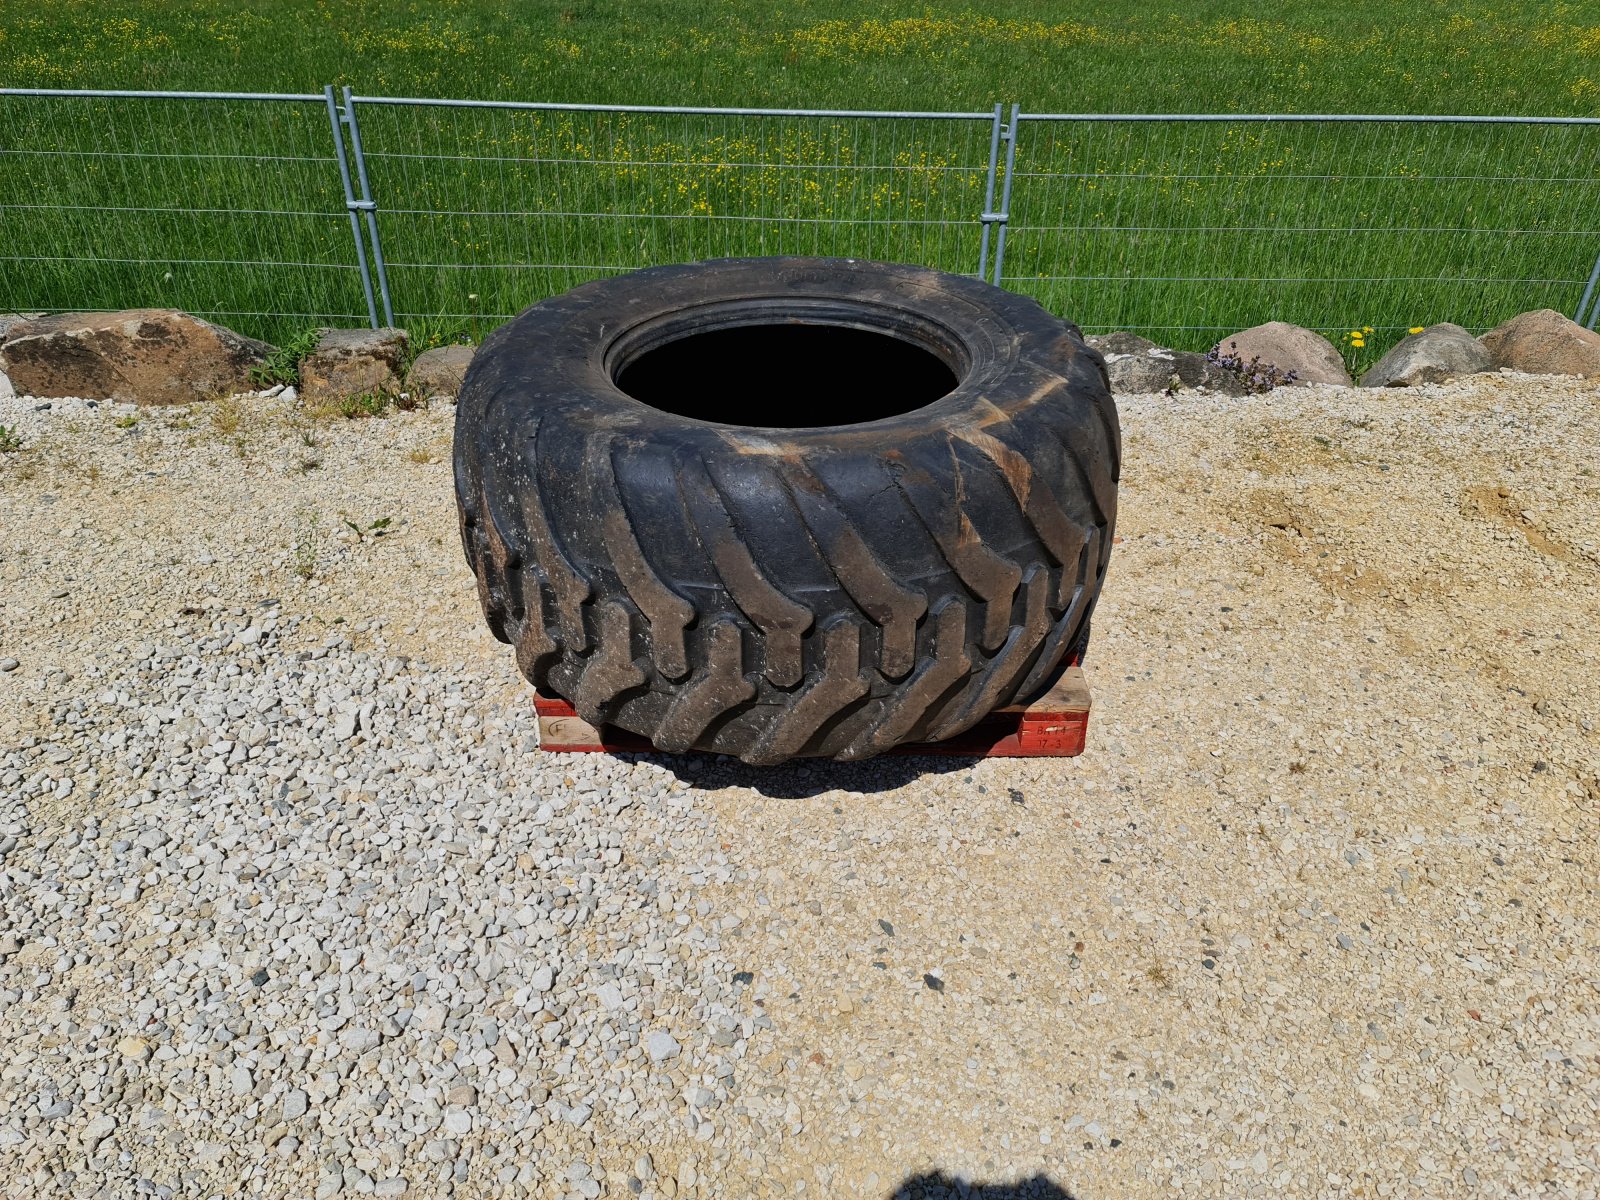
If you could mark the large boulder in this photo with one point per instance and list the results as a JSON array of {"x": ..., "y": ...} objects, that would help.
[
  {"x": 1135, "y": 364},
  {"x": 139, "y": 356},
  {"x": 353, "y": 362},
  {"x": 1312, "y": 357},
  {"x": 9, "y": 321},
  {"x": 1544, "y": 342},
  {"x": 439, "y": 372},
  {"x": 1440, "y": 352}
]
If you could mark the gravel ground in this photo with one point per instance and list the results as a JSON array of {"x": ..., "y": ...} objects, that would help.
[{"x": 291, "y": 904}]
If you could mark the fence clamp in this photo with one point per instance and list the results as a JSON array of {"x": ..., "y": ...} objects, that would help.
[
  {"x": 361, "y": 205},
  {"x": 993, "y": 218}
]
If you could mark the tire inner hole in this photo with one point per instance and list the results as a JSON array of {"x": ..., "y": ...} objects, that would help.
[{"x": 790, "y": 375}]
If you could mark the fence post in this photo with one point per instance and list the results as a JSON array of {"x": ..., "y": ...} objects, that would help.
[
  {"x": 1586, "y": 315},
  {"x": 368, "y": 205},
  {"x": 351, "y": 204},
  {"x": 1004, "y": 214},
  {"x": 987, "y": 217}
]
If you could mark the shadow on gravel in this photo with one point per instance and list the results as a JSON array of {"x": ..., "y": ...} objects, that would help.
[
  {"x": 940, "y": 1186},
  {"x": 801, "y": 779}
]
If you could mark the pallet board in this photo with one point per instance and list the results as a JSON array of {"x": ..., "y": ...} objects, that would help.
[{"x": 1053, "y": 726}]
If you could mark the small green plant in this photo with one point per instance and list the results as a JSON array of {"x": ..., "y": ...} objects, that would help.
[
  {"x": 429, "y": 333},
  {"x": 305, "y": 547},
  {"x": 283, "y": 364},
  {"x": 227, "y": 414},
  {"x": 10, "y": 440},
  {"x": 367, "y": 404},
  {"x": 127, "y": 422},
  {"x": 376, "y": 529},
  {"x": 1355, "y": 348}
]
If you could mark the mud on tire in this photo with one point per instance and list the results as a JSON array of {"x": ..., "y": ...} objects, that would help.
[{"x": 782, "y": 507}]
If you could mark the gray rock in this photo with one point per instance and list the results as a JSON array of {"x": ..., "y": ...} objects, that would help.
[
  {"x": 352, "y": 362},
  {"x": 138, "y": 356},
  {"x": 97, "y": 1131},
  {"x": 1438, "y": 353},
  {"x": 1543, "y": 342},
  {"x": 1138, "y": 365},
  {"x": 9, "y": 321},
  {"x": 295, "y": 1104},
  {"x": 1312, "y": 357},
  {"x": 661, "y": 1046},
  {"x": 439, "y": 372}
]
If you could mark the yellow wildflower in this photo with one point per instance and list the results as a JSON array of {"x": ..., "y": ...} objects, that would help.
[
  {"x": 1366, "y": 329},
  {"x": 1415, "y": 329},
  {"x": 1358, "y": 342}
]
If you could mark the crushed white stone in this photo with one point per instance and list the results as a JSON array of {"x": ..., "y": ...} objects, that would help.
[{"x": 291, "y": 904}]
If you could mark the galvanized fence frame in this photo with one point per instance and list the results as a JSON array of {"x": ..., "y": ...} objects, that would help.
[
  {"x": 988, "y": 242},
  {"x": 1007, "y": 126},
  {"x": 337, "y": 149}
]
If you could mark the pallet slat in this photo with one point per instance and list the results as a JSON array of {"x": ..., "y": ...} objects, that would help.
[{"x": 1053, "y": 726}]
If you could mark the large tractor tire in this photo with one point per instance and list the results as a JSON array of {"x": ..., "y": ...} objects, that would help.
[{"x": 777, "y": 507}]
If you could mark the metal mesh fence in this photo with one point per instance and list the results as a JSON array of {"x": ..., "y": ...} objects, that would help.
[
  {"x": 509, "y": 204},
  {"x": 228, "y": 208},
  {"x": 1187, "y": 229},
  {"x": 272, "y": 213}
]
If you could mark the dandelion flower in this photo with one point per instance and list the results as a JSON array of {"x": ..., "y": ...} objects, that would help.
[
  {"x": 1366, "y": 329},
  {"x": 1358, "y": 342},
  {"x": 1415, "y": 329}
]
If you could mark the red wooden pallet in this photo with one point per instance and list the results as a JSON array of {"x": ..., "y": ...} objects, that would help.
[{"x": 1053, "y": 726}]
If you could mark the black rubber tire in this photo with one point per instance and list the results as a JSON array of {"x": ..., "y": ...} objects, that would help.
[{"x": 771, "y": 592}]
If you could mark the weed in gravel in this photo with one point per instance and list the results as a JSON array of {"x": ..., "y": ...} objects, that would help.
[
  {"x": 368, "y": 404},
  {"x": 375, "y": 529},
  {"x": 353, "y": 408},
  {"x": 308, "y": 460},
  {"x": 283, "y": 364},
  {"x": 127, "y": 422},
  {"x": 307, "y": 539},
  {"x": 227, "y": 414},
  {"x": 10, "y": 440}
]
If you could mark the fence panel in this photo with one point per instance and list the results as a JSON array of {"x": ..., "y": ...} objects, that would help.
[
  {"x": 486, "y": 208},
  {"x": 229, "y": 207},
  {"x": 1181, "y": 227},
  {"x": 1185, "y": 229}
]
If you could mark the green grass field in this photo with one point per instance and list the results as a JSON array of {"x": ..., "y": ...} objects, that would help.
[{"x": 1183, "y": 231}]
